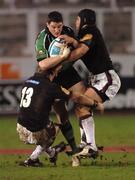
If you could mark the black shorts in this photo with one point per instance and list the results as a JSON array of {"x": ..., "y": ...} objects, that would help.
[{"x": 67, "y": 78}]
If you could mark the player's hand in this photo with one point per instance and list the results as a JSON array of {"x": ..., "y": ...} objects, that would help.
[
  {"x": 66, "y": 52},
  {"x": 67, "y": 39}
]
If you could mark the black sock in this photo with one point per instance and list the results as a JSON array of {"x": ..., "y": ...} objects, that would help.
[{"x": 67, "y": 132}]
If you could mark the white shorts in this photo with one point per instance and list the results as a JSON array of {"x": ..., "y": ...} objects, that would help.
[
  {"x": 106, "y": 84},
  {"x": 25, "y": 135},
  {"x": 40, "y": 137}
]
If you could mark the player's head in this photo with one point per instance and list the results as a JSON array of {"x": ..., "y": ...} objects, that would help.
[
  {"x": 85, "y": 17},
  {"x": 55, "y": 23}
]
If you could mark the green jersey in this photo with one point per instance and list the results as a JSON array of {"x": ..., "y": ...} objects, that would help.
[
  {"x": 45, "y": 38},
  {"x": 68, "y": 75}
]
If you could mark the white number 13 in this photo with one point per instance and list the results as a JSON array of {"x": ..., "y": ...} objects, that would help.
[{"x": 26, "y": 97}]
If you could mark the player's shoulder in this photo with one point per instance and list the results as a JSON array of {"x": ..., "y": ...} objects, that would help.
[
  {"x": 85, "y": 33},
  {"x": 42, "y": 34},
  {"x": 68, "y": 30}
]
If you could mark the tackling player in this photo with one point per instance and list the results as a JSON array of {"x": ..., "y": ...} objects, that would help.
[
  {"x": 34, "y": 126},
  {"x": 104, "y": 81}
]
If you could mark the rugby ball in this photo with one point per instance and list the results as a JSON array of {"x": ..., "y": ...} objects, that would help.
[{"x": 56, "y": 47}]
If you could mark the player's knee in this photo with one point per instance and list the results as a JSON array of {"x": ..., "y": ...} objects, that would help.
[
  {"x": 48, "y": 135},
  {"x": 82, "y": 111},
  {"x": 84, "y": 117}
]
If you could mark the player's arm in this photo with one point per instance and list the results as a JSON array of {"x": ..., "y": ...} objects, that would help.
[
  {"x": 50, "y": 62},
  {"x": 81, "y": 47},
  {"x": 77, "y": 53},
  {"x": 44, "y": 61},
  {"x": 70, "y": 40}
]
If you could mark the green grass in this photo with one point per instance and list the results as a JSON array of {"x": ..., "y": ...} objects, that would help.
[
  {"x": 111, "y": 130},
  {"x": 109, "y": 168}
]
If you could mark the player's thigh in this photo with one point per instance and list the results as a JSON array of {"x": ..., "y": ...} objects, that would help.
[
  {"x": 91, "y": 93},
  {"x": 81, "y": 111},
  {"x": 78, "y": 87}
]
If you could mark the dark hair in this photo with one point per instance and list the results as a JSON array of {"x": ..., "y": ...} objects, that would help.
[
  {"x": 54, "y": 16},
  {"x": 87, "y": 16}
]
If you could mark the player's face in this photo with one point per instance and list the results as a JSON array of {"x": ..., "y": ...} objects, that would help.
[
  {"x": 77, "y": 23},
  {"x": 55, "y": 28}
]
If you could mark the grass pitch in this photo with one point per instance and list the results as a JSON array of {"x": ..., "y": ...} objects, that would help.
[{"x": 111, "y": 130}]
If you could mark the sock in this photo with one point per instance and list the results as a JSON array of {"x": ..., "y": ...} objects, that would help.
[
  {"x": 89, "y": 129},
  {"x": 35, "y": 154},
  {"x": 67, "y": 132}
]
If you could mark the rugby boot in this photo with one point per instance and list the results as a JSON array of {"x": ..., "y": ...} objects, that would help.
[
  {"x": 57, "y": 149},
  {"x": 30, "y": 162}
]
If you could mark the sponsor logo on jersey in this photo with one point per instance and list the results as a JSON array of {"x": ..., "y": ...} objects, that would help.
[{"x": 40, "y": 52}]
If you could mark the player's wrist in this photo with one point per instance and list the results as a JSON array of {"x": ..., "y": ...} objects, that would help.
[
  {"x": 75, "y": 43},
  {"x": 62, "y": 57}
]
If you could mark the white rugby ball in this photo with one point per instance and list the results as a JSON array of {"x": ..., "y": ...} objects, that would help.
[{"x": 56, "y": 47}]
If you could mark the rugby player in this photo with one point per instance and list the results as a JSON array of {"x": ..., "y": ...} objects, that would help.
[
  {"x": 54, "y": 28},
  {"x": 104, "y": 81},
  {"x": 34, "y": 125}
]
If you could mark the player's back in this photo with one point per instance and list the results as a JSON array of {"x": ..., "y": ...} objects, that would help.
[
  {"x": 36, "y": 102},
  {"x": 97, "y": 58}
]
